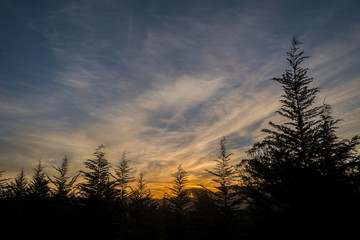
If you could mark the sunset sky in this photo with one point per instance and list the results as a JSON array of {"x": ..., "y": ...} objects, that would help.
[{"x": 162, "y": 80}]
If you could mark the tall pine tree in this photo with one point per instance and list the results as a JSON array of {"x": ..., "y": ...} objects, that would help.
[{"x": 285, "y": 171}]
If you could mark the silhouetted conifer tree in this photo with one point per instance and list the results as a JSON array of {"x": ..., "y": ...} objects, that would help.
[
  {"x": 295, "y": 137},
  {"x": 39, "y": 185},
  {"x": 123, "y": 177},
  {"x": 285, "y": 172},
  {"x": 179, "y": 195},
  {"x": 286, "y": 154},
  {"x": 143, "y": 215},
  {"x": 283, "y": 176},
  {"x": 141, "y": 192},
  {"x": 19, "y": 188},
  {"x": 179, "y": 200},
  {"x": 98, "y": 183},
  {"x": 63, "y": 187},
  {"x": 99, "y": 213},
  {"x": 225, "y": 196},
  {"x": 224, "y": 175}
]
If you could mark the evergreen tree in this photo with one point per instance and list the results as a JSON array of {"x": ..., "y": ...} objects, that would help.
[
  {"x": 176, "y": 223},
  {"x": 295, "y": 137},
  {"x": 39, "y": 186},
  {"x": 98, "y": 183},
  {"x": 141, "y": 193},
  {"x": 284, "y": 160},
  {"x": 123, "y": 177},
  {"x": 285, "y": 172},
  {"x": 179, "y": 195},
  {"x": 142, "y": 209},
  {"x": 224, "y": 176},
  {"x": 63, "y": 187},
  {"x": 19, "y": 188},
  {"x": 99, "y": 212}
]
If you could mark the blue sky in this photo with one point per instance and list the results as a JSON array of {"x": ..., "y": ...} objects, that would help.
[{"x": 162, "y": 80}]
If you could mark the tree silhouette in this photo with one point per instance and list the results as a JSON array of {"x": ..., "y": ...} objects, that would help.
[
  {"x": 285, "y": 184},
  {"x": 63, "y": 187},
  {"x": 225, "y": 196},
  {"x": 123, "y": 177},
  {"x": 179, "y": 195},
  {"x": 296, "y": 136},
  {"x": 99, "y": 211},
  {"x": 39, "y": 185},
  {"x": 287, "y": 150},
  {"x": 224, "y": 175},
  {"x": 179, "y": 200},
  {"x": 142, "y": 209},
  {"x": 19, "y": 188},
  {"x": 141, "y": 192},
  {"x": 285, "y": 171},
  {"x": 98, "y": 184}
]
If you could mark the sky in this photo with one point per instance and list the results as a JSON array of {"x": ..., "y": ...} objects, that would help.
[{"x": 163, "y": 81}]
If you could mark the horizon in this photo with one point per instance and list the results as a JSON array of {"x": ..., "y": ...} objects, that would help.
[{"x": 162, "y": 82}]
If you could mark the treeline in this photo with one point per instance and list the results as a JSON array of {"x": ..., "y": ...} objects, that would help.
[
  {"x": 301, "y": 181},
  {"x": 105, "y": 205}
]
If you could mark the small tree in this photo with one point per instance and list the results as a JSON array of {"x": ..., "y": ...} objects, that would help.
[
  {"x": 63, "y": 187},
  {"x": 179, "y": 200},
  {"x": 143, "y": 212},
  {"x": 225, "y": 197},
  {"x": 224, "y": 176},
  {"x": 39, "y": 186},
  {"x": 141, "y": 193},
  {"x": 19, "y": 188},
  {"x": 179, "y": 195},
  {"x": 123, "y": 177},
  {"x": 98, "y": 184}
]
